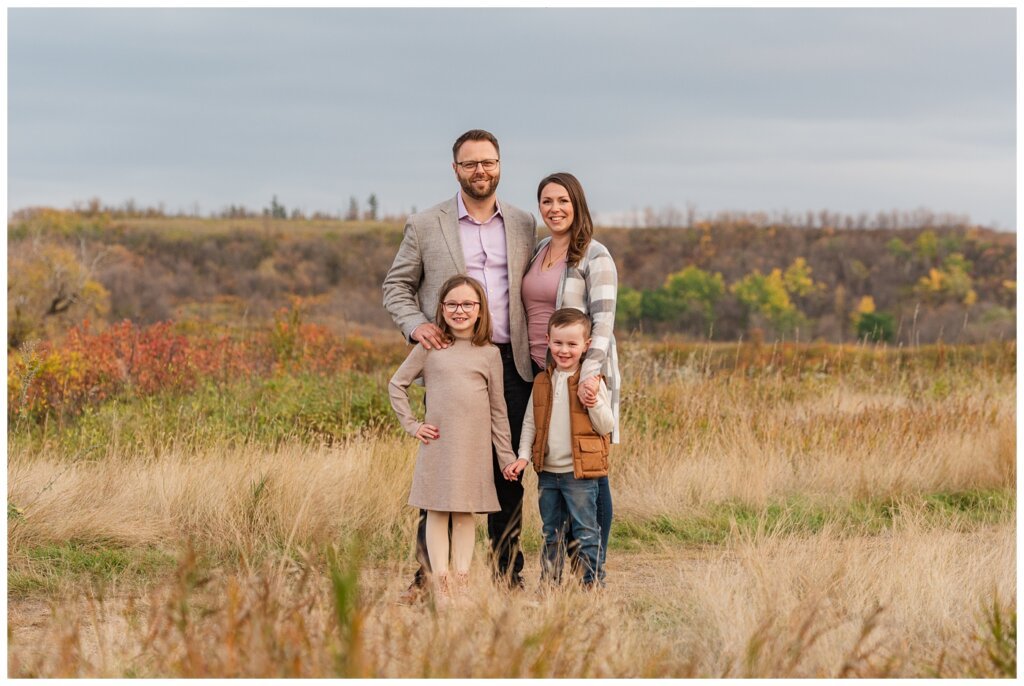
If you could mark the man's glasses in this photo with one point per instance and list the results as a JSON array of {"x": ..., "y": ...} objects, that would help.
[
  {"x": 467, "y": 306},
  {"x": 488, "y": 165}
]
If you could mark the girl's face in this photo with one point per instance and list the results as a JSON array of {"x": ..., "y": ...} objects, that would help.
[
  {"x": 461, "y": 310},
  {"x": 556, "y": 208}
]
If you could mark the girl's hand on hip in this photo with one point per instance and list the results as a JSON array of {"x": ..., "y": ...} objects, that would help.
[
  {"x": 428, "y": 433},
  {"x": 587, "y": 391}
]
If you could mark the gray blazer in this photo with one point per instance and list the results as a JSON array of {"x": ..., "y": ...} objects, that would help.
[{"x": 431, "y": 253}]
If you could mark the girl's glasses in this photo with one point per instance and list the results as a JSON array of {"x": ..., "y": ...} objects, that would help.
[{"x": 467, "y": 306}]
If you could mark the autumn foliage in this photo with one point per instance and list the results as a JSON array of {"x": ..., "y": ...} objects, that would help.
[
  {"x": 729, "y": 279},
  {"x": 125, "y": 360}
]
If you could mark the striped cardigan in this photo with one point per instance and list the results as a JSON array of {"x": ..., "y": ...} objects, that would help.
[{"x": 592, "y": 287}]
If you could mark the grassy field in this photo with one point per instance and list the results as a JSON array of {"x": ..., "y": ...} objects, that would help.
[{"x": 791, "y": 511}]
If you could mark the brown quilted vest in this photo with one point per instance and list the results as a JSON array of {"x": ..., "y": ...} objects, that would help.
[{"x": 589, "y": 448}]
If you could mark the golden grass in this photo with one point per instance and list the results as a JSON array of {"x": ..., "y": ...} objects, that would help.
[
  {"x": 801, "y": 592},
  {"x": 698, "y": 442},
  {"x": 233, "y": 497},
  {"x": 768, "y": 606}
]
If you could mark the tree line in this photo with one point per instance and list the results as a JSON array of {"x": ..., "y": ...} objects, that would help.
[
  {"x": 130, "y": 209},
  {"x": 723, "y": 280}
]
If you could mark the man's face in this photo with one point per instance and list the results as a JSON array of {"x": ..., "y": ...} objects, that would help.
[
  {"x": 567, "y": 344},
  {"x": 477, "y": 184}
]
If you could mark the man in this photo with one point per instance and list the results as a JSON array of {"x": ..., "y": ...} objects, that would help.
[{"x": 473, "y": 234}]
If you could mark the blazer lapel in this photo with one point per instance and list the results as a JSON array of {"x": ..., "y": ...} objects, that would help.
[
  {"x": 519, "y": 252},
  {"x": 450, "y": 230}
]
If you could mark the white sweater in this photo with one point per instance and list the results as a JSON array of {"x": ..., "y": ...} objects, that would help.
[{"x": 558, "y": 458}]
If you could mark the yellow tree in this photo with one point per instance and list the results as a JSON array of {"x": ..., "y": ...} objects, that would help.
[
  {"x": 48, "y": 289},
  {"x": 797, "y": 278},
  {"x": 953, "y": 280},
  {"x": 768, "y": 297}
]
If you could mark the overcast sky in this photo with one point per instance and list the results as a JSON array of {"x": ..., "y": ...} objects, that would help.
[{"x": 849, "y": 110}]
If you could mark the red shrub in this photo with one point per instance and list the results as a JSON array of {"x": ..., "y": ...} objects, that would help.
[{"x": 125, "y": 360}]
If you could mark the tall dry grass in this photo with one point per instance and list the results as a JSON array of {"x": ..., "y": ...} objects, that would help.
[
  {"x": 239, "y": 498},
  {"x": 701, "y": 438},
  {"x": 794, "y": 590},
  {"x": 770, "y": 606},
  {"x": 690, "y": 441}
]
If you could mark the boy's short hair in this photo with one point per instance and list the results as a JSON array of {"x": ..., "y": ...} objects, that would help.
[{"x": 567, "y": 316}]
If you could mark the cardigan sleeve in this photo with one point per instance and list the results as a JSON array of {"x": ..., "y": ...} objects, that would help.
[
  {"x": 601, "y": 417},
  {"x": 602, "y": 281}
]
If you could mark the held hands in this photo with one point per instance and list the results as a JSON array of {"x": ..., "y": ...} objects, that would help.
[
  {"x": 513, "y": 470},
  {"x": 429, "y": 336},
  {"x": 428, "y": 433},
  {"x": 588, "y": 391}
]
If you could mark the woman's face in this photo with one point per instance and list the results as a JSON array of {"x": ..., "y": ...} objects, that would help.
[
  {"x": 461, "y": 310},
  {"x": 556, "y": 208}
]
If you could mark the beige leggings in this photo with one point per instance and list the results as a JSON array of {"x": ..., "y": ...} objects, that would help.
[{"x": 463, "y": 539}]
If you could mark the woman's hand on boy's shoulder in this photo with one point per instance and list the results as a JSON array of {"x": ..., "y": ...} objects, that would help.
[
  {"x": 428, "y": 433},
  {"x": 513, "y": 470}
]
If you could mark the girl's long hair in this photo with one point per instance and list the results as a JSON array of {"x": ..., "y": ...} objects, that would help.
[
  {"x": 582, "y": 229},
  {"x": 482, "y": 327}
]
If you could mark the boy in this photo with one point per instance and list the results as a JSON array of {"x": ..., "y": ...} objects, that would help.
[{"x": 568, "y": 445}]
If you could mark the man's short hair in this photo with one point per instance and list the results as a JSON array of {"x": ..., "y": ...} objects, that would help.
[
  {"x": 567, "y": 316},
  {"x": 474, "y": 135}
]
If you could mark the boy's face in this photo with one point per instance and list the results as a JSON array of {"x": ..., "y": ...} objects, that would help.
[{"x": 567, "y": 346}]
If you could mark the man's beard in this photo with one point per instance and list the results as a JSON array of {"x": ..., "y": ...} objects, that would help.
[{"x": 467, "y": 187}]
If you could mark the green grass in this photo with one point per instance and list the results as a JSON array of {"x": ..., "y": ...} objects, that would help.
[
  {"x": 983, "y": 507},
  {"x": 723, "y": 522},
  {"x": 265, "y": 412},
  {"x": 47, "y": 569}
]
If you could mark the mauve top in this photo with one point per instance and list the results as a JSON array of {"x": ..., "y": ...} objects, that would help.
[{"x": 540, "y": 290}]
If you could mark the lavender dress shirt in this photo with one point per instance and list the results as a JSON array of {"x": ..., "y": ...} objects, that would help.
[{"x": 483, "y": 245}]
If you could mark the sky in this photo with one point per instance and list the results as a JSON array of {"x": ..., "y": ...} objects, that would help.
[{"x": 744, "y": 110}]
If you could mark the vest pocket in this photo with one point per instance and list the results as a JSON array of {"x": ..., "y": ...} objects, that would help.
[{"x": 593, "y": 453}]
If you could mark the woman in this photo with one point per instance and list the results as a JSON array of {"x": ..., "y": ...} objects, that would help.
[{"x": 570, "y": 269}]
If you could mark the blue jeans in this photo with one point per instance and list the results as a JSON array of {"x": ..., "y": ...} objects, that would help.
[
  {"x": 604, "y": 522},
  {"x": 561, "y": 497}
]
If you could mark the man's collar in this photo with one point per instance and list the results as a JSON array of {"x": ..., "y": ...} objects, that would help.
[{"x": 463, "y": 212}]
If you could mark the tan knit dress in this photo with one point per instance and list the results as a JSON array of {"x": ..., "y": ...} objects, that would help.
[{"x": 466, "y": 402}]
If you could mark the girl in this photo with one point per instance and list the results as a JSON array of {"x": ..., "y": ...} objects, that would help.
[{"x": 465, "y": 412}]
